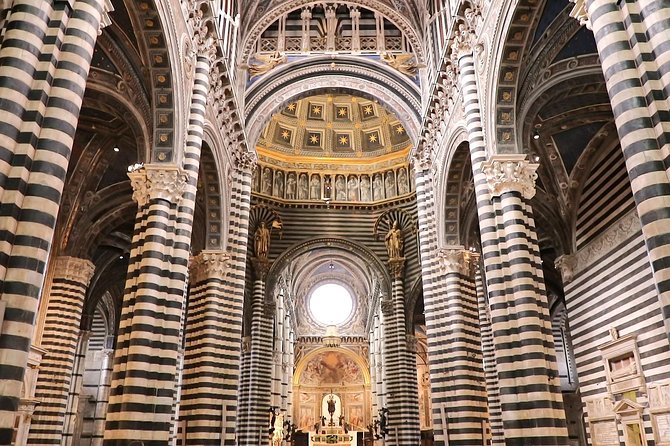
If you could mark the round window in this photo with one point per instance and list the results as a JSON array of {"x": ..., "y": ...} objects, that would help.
[{"x": 330, "y": 304}]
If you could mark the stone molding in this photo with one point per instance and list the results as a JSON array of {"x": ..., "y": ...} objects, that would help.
[
  {"x": 209, "y": 264},
  {"x": 457, "y": 259},
  {"x": 510, "y": 173},
  {"x": 74, "y": 269},
  {"x": 158, "y": 182},
  {"x": 602, "y": 245}
]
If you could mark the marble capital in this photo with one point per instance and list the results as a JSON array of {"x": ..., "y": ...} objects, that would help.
[
  {"x": 154, "y": 181},
  {"x": 423, "y": 158},
  {"x": 510, "y": 172},
  {"x": 397, "y": 267},
  {"x": 74, "y": 269},
  {"x": 209, "y": 264},
  {"x": 245, "y": 161},
  {"x": 567, "y": 265},
  {"x": 580, "y": 12},
  {"x": 457, "y": 259}
]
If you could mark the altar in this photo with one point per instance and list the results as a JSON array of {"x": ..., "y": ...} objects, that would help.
[{"x": 332, "y": 427}]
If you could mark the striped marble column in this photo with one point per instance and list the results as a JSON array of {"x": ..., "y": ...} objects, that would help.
[
  {"x": 60, "y": 340},
  {"x": 530, "y": 395},
  {"x": 631, "y": 37},
  {"x": 253, "y": 419},
  {"x": 401, "y": 382},
  {"x": 210, "y": 379},
  {"x": 489, "y": 361},
  {"x": 145, "y": 362},
  {"x": 454, "y": 353},
  {"x": 55, "y": 39}
]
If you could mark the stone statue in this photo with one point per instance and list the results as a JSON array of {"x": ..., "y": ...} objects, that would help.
[
  {"x": 279, "y": 184},
  {"x": 303, "y": 188},
  {"x": 390, "y": 184},
  {"x": 290, "y": 186},
  {"x": 403, "y": 186},
  {"x": 315, "y": 187},
  {"x": 266, "y": 186},
  {"x": 352, "y": 186},
  {"x": 394, "y": 242},
  {"x": 365, "y": 188},
  {"x": 262, "y": 241},
  {"x": 404, "y": 62},
  {"x": 278, "y": 433},
  {"x": 378, "y": 187},
  {"x": 340, "y": 189}
]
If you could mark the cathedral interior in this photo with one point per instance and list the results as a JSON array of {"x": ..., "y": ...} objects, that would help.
[{"x": 335, "y": 222}]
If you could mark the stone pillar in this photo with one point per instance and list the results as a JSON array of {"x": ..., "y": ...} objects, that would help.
[
  {"x": 400, "y": 378},
  {"x": 489, "y": 362},
  {"x": 102, "y": 396},
  {"x": 62, "y": 36},
  {"x": 75, "y": 405},
  {"x": 60, "y": 339},
  {"x": 355, "y": 14},
  {"x": 254, "y": 419},
  {"x": 381, "y": 38},
  {"x": 635, "y": 77},
  {"x": 306, "y": 16},
  {"x": 147, "y": 348},
  {"x": 458, "y": 393},
  {"x": 530, "y": 394},
  {"x": 208, "y": 405}
]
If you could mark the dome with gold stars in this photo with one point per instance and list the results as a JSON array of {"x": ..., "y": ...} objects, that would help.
[{"x": 347, "y": 129}]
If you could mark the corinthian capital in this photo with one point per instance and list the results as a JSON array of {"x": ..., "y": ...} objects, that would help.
[
  {"x": 74, "y": 269},
  {"x": 154, "y": 181},
  {"x": 209, "y": 264},
  {"x": 567, "y": 264},
  {"x": 464, "y": 40},
  {"x": 580, "y": 13},
  {"x": 512, "y": 172},
  {"x": 245, "y": 160},
  {"x": 456, "y": 259}
]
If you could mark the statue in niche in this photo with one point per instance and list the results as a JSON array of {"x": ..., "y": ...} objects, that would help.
[
  {"x": 365, "y": 188},
  {"x": 266, "y": 186},
  {"x": 290, "y": 186},
  {"x": 262, "y": 241},
  {"x": 315, "y": 187},
  {"x": 378, "y": 187},
  {"x": 352, "y": 186},
  {"x": 303, "y": 189},
  {"x": 390, "y": 184},
  {"x": 279, "y": 184},
  {"x": 403, "y": 186},
  {"x": 327, "y": 188},
  {"x": 340, "y": 188},
  {"x": 394, "y": 242},
  {"x": 255, "y": 180}
]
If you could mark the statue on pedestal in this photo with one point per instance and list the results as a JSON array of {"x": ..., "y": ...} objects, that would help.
[
  {"x": 394, "y": 242},
  {"x": 262, "y": 241}
]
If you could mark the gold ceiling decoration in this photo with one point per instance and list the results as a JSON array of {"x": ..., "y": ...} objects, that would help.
[{"x": 334, "y": 128}]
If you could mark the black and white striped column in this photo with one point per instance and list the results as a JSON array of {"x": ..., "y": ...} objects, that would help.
[
  {"x": 489, "y": 361},
  {"x": 208, "y": 406},
  {"x": 530, "y": 394},
  {"x": 253, "y": 418},
  {"x": 401, "y": 383},
  {"x": 46, "y": 48},
  {"x": 60, "y": 339},
  {"x": 631, "y": 38},
  {"x": 145, "y": 363},
  {"x": 454, "y": 354}
]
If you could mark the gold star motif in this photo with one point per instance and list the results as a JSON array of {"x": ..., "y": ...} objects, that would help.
[
  {"x": 399, "y": 130},
  {"x": 316, "y": 110},
  {"x": 372, "y": 138},
  {"x": 314, "y": 139},
  {"x": 342, "y": 112},
  {"x": 367, "y": 109},
  {"x": 285, "y": 134},
  {"x": 291, "y": 107},
  {"x": 344, "y": 140}
]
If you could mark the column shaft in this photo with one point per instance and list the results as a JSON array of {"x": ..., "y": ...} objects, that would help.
[
  {"x": 638, "y": 91},
  {"x": 32, "y": 177},
  {"x": 401, "y": 380},
  {"x": 60, "y": 340},
  {"x": 212, "y": 353},
  {"x": 530, "y": 396},
  {"x": 489, "y": 362}
]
